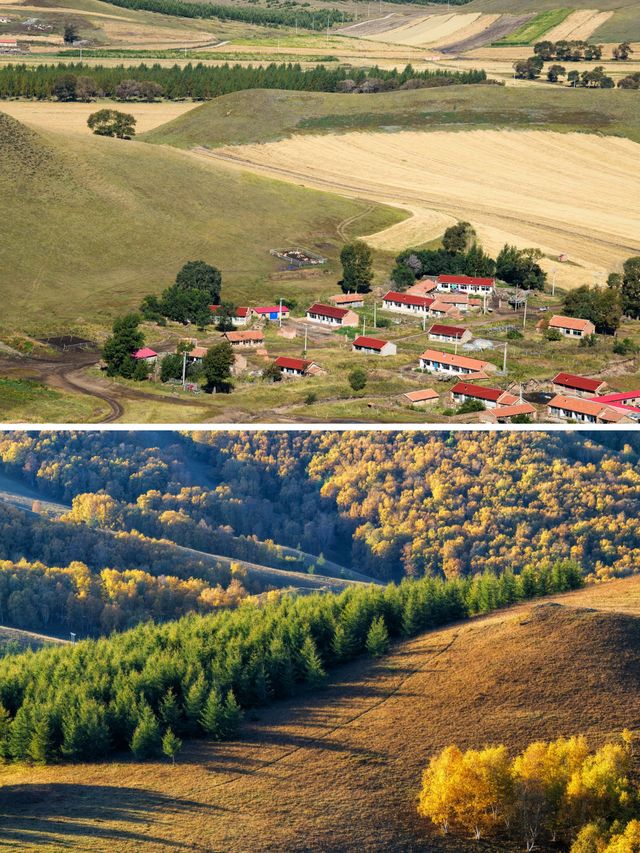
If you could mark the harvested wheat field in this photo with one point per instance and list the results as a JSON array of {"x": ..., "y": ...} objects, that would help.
[
  {"x": 72, "y": 117},
  {"x": 339, "y": 769},
  {"x": 579, "y": 25},
  {"x": 574, "y": 194},
  {"x": 427, "y": 30}
]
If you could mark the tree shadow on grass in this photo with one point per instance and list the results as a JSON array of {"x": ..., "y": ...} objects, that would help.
[{"x": 62, "y": 816}]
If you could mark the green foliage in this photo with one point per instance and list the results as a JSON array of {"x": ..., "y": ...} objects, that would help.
[
  {"x": 118, "y": 349},
  {"x": 358, "y": 378},
  {"x": 70, "y": 33},
  {"x": 552, "y": 334},
  {"x": 290, "y": 640},
  {"x": 203, "y": 82},
  {"x": 357, "y": 267},
  {"x": 197, "y": 287},
  {"x": 520, "y": 267},
  {"x": 171, "y": 745},
  {"x": 378, "y": 638},
  {"x": 272, "y": 372},
  {"x": 471, "y": 406},
  {"x": 625, "y": 346},
  {"x": 600, "y": 305},
  {"x": 413, "y": 264},
  {"x": 171, "y": 367},
  {"x": 630, "y": 289},
  {"x": 112, "y": 123},
  {"x": 224, "y": 317},
  {"x": 459, "y": 238},
  {"x": 588, "y": 341},
  {"x": 217, "y": 365}
]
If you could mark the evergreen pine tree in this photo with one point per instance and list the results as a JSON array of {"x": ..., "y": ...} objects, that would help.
[
  {"x": 5, "y": 733},
  {"x": 194, "y": 703},
  {"x": 212, "y": 719},
  {"x": 41, "y": 745},
  {"x": 20, "y": 735},
  {"x": 171, "y": 745},
  {"x": 232, "y": 714},
  {"x": 378, "y": 638},
  {"x": 169, "y": 710},
  {"x": 146, "y": 737},
  {"x": 313, "y": 670}
]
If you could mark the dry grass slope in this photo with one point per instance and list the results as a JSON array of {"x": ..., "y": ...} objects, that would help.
[{"x": 339, "y": 769}]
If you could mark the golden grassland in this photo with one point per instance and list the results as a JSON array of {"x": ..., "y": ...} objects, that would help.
[{"x": 340, "y": 768}]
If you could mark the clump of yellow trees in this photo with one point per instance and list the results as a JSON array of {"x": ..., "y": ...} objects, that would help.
[{"x": 559, "y": 793}]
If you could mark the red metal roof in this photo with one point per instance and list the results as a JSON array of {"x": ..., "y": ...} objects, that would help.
[
  {"x": 465, "y": 279},
  {"x": 145, "y": 352},
  {"x": 407, "y": 298},
  {"x": 328, "y": 311},
  {"x": 292, "y": 363},
  {"x": 477, "y": 391},
  {"x": 580, "y": 383},
  {"x": 369, "y": 343},
  {"x": 441, "y": 329},
  {"x": 270, "y": 309}
]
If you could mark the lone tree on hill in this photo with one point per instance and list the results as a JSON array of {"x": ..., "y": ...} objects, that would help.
[
  {"x": 358, "y": 378},
  {"x": 112, "y": 123},
  {"x": 216, "y": 366},
  {"x": 357, "y": 272},
  {"x": 118, "y": 349},
  {"x": 459, "y": 238},
  {"x": 171, "y": 745},
  {"x": 197, "y": 286},
  {"x": 70, "y": 33}
]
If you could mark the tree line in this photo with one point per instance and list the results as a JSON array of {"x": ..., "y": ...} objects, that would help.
[
  {"x": 37, "y": 597},
  {"x": 78, "y": 81},
  {"x": 193, "y": 677},
  {"x": 557, "y": 794},
  {"x": 606, "y": 306}
]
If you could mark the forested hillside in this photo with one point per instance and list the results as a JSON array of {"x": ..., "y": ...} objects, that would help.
[{"x": 390, "y": 505}]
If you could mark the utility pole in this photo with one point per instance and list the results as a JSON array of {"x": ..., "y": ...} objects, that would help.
[
  {"x": 553, "y": 281},
  {"x": 364, "y": 324},
  {"x": 484, "y": 303},
  {"x": 524, "y": 319},
  {"x": 424, "y": 322},
  {"x": 504, "y": 360},
  {"x": 306, "y": 332},
  {"x": 280, "y": 313},
  {"x": 184, "y": 369},
  {"x": 375, "y": 322}
]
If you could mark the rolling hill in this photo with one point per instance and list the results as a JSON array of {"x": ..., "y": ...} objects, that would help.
[
  {"x": 96, "y": 223},
  {"x": 340, "y": 768}
]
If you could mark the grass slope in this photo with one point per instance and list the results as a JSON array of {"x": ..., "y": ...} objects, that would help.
[
  {"x": 340, "y": 768},
  {"x": 534, "y": 29},
  {"x": 264, "y": 116},
  {"x": 97, "y": 223}
]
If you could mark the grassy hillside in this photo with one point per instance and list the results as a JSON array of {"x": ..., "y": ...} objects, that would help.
[
  {"x": 263, "y": 116},
  {"x": 340, "y": 768},
  {"x": 97, "y": 223}
]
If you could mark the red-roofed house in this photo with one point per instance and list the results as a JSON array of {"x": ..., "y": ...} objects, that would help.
[
  {"x": 406, "y": 303},
  {"x": 449, "y": 334},
  {"x": 580, "y": 386},
  {"x": 331, "y": 315},
  {"x": 446, "y": 362},
  {"x": 467, "y": 284},
  {"x": 8, "y": 43},
  {"x": 491, "y": 397},
  {"x": 241, "y": 316},
  {"x": 628, "y": 403},
  {"x": 373, "y": 346},
  {"x": 297, "y": 366},
  {"x": 271, "y": 312},
  {"x": 570, "y": 327},
  {"x": 578, "y": 409},
  {"x": 146, "y": 354}
]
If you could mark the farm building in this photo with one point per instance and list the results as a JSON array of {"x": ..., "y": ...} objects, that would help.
[
  {"x": 423, "y": 287},
  {"x": 8, "y": 44},
  {"x": 241, "y": 317},
  {"x": 449, "y": 334},
  {"x": 424, "y": 398},
  {"x": 373, "y": 346},
  {"x": 491, "y": 397},
  {"x": 466, "y": 284},
  {"x": 459, "y": 300},
  {"x": 570, "y": 327},
  {"x": 445, "y": 362},
  {"x": 271, "y": 312},
  {"x": 146, "y": 354},
  {"x": 505, "y": 414},
  {"x": 406, "y": 303},
  {"x": 441, "y": 309},
  {"x": 585, "y": 411},
  {"x": 331, "y": 315},
  {"x": 196, "y": 354},
  {"x": 249, "y": 338},
  {"x": 347, "y": 300},
  {"x": 628, "y": 403},
  {"x": 297, "y": 366},
  {"x": 579, "y": 386}
]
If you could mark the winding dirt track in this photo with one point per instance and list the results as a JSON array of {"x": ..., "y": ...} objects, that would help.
[{"x": 560, "y": 192}]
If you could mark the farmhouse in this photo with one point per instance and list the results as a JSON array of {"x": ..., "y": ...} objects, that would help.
[
  {"x": 331, "y": 315},
  {"x": 628, "y": 403},
  {"x": 249, "y": 338},
  {"x": 423, "y": 287},
  {"x": 579, "y": 386},
  {"x": 271, "y": 312},
  {"x": 438, "y": 308},
  {"x": 241, "y": 316},
  {"x": 196, "y": 355},
  {"x": 491, "y": 397},
  {"x": 8, "y": 43},
  {"x": 459, "y": 300},
  {"x": 297, "y": 366},
  {"x": 449, "y": 334},
  {"x": 505, "y": 414},
  {"x": 585, "y": 411},
  {"x": 426, "y": 397},
  {"x": 146, "y": 354},
  {"x": 445, "y": 362},
  {"x": 373, "y": 346},
  {"x": 347, "y": 300},
  {"x": 406, "y": 303},
  {"x": 466, "y": 284},
  {"x": 570, "y": 327}
]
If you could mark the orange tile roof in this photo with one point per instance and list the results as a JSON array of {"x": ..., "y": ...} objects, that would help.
[
  {"x": 455, "y": 360},
  {"x": 420, "y": 396},
  {"x": 558, "y": 321}
]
